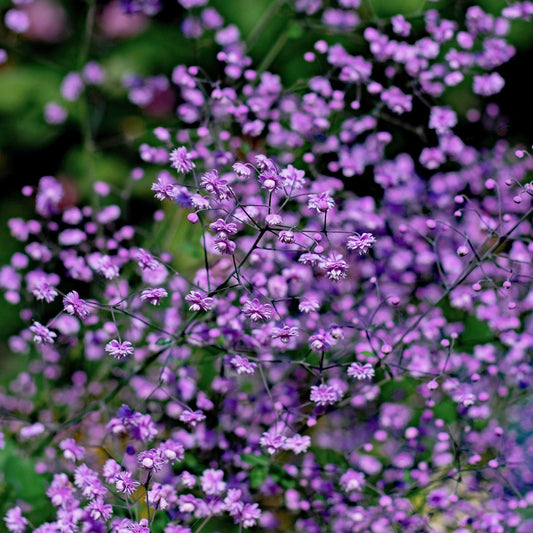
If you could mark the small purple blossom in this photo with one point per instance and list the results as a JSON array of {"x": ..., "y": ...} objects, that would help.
[
  {"x": 199, "y": 301},
  {"x": 14, "y": 520},
  {"x": 322, "y": 202},
  {"x": 212, "y": 482},
  {"x": 325, "y": 394},
  {"x": 361, "y": 372},
  {"x": 241, "y": 365},
  {"x": 164, "y": 188},
  {"x": 151, "y": 460},
  {"x": 71, "y": 451},
  {"x": 360, "y": 243},
  {"x": 125, "y": 484},
  {"x": 285, "y": 333},
  {"x": 334, "y": 266},
  {"x": 181, "y": 160},
  {"x": 352, "y": 481},
  {"x": 193, "y": 418},
  {"x": 273, "y": 443},
  {"x": 74, "y": 305},
  {"x": 256, "y": 311},
  {"x": 41, "y": 334},
  {"x": 119, "y": 350},
  {"x": 215, "y": 185},
  {"x": 154, "y": 296}
]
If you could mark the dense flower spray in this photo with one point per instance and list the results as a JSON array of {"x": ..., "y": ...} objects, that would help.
[{"x": 332, "y": 361}]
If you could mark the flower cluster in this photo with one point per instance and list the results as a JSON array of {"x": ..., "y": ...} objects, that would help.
[{"x": 329, "y": 357}]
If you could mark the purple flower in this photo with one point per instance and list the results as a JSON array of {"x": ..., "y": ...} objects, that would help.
[
  {"x": 54, "y": 113},
  {"x": 41, "y": 334},
  {"x": 241, "y": 365},
  {"x": 223, "y": 246},
  {"x": 100, "y": 510},
  {"x": 164, "y": 188},
  {"x": 322, "y": 202},
  {"x": 360, "y": 243},
  {"x": 172, "y": 451},
  {"x": 273, "y": 443},
  {"x": 180, "y": 159},
  {"x": 119, "y": 350},
  {"x": 321, "y": 341},
  {"x": 145, "y": 260},
  {"x": 14, "y": 520},
  {"x": 192, "y": 417},
  {"x": 298, "y": 443},
  {"x": 125, "y": 484},
  {"x": 397, "y": 101},
  {"x": 49, "y": 194},
  {"x": 72, "y": 86},
  {"x": 400, "y": 26},
  {"x": 286, "y": 236},
  {"x": 256, "y": 311},
  {"x": 488, "y": 84},
  {"x": 361, "y": 372},
  {"x": 308, "y": 305},
  {"x": 154, "y": 296},
  {"x": 270, "y": 180},
  {"x": 334, "y": 266},
  {"x": 151, "y": 460},
  {"x": 221, "y": 226},
  {"x": 214, "y": 185},
  {"x": 71, "y": 451},
  {"x": 199, "y": 301},
  {"x": 242, "y": 170},
  {"x": 442, "y": 119},
  {"x": 325, "y": 394},
  {"x": 212, "y": 482},
  {"x": 106, "y": 267},
  {"x": 285, "y": 333},
  {"x": 352, "y": 481},
  {"x": 42, "y": 290},
  {"x": 249, "y": 515},
  {"x": 76, "y": 306},
  {"x": 17, "y": 21}
]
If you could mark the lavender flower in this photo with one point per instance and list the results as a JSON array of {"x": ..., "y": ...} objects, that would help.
[
  {"x": 181, "y": 160},
  {"x": 74, "y": 305},
  {"x": 41, "y": 334},
  {"x": 119, "y": 350},
  {"x": 154, "y": 296},
  {"x": 199, "y": 301},
  {"x": 360, "y": 243}
]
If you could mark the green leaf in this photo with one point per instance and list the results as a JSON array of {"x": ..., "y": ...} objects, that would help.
[
  {"x": 326, "y": 456},
  {"x": 446, "y": 409},
  {"x": 258, "y": 476},
  {"x": 476, "y": 332},
  {"x": 387, "y": 8},
  {"x": 256, "y": 460}
]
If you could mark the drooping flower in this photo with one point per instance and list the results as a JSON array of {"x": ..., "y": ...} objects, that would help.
[
  {"x": 154, "y": 296},
  {"x": 199, "y": 301},
  {"x": 256, "y": 311},
  {"x": 14, "y": 520},
  {"x": 74, "y": 305},
  {"x": 212, "y": 482},
  {"x": 41, "y": 334},
  {"x": 181, "y": 160},
  {"x": 360, "y": 243},
  {"x": 119, "y": 350},
  {"x": 360, "y": 371},
  {"x": 325, "y": 394}
]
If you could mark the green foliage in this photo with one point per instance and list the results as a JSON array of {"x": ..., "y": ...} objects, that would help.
[{"x": 19, "y": 481}]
